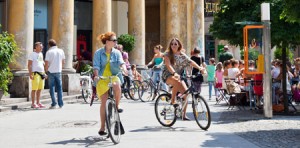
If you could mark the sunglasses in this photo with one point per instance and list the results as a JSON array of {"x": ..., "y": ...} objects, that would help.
[
  {"x": 114, "y": 40},
  {"x": 175, "y": 44}
]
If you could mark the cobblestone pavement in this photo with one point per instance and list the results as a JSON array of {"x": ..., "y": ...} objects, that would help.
[{"x": 280, "y": 131}]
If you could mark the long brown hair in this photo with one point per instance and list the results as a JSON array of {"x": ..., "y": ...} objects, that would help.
[{"x": 170, "y": 51}]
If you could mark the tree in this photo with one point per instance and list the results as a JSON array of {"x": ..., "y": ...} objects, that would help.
[
  {"x": 284, "y": 34},
  {"x": 127, "y": 41},
  {"x": 291, "y": 10},
  {"x": 8, "y": 47}
]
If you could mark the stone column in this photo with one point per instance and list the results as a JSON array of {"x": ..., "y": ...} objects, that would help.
[
  {"x": 102, "y": 18},
  {"x": 163, "y": 41},
  {"x": 20, "y": 23},
  {"x": 173, "y": 20},
  {"x": 63, "y": 29},
  {"x": 183, "y": 23},
  {"x": 198, "y": 25},
  {"x": 136, "y": 27}
]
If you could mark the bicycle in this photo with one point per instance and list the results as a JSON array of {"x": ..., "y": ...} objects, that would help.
[
  {"x": 167, "y": 114},
  {"x": 112, "y": 118},
  {"x": 155, "y": 87},
  {"x": 133, "y": 92},
  {"x": 86, "y": 86}
]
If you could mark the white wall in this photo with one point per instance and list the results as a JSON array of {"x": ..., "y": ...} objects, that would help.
[{"x": 119, "y": 17}]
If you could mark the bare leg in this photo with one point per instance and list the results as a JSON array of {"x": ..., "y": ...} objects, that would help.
[
  {"x": 38, "y": 95},
  {"x": 102, "y": 111},
  {"x": 32, "y": 96},
  {"x": 117, "y": 93}
]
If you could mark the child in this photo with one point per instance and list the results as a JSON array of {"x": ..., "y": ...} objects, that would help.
[
  {"x": 135, "y": 73},
  {"x": 219, "y": 76},
  {"x": 211, "y": 70}
]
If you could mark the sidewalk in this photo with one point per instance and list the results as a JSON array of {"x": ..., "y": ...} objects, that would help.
[{"x": 280, "y": 131}]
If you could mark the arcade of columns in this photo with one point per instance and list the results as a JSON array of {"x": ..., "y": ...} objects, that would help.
[{"x": 183, "y": 19}]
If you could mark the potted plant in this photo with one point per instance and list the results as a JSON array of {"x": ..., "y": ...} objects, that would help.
[
  {"x": 127, "y": 41},
  {"x": 8, "y": 46}
]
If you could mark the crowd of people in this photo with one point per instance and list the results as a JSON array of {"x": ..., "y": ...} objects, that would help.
[{"x": 167, "y": 67}]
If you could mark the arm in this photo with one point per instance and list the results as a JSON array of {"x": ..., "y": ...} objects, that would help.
[
  {"x": 195, "y": 65},
  {"x": 30, "y": 69},
  {"x": 46, "y": 66}
]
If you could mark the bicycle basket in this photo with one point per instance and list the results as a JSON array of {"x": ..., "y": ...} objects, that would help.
[{"x": 145, "y": 74}]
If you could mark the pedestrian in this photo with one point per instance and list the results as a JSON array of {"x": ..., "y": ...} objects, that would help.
[
  {"x": 219, "y": 78},
  {"x": 55, "y": 59},
  {"x": 107, "y": 62},
  {"x": 127, "y": 79},
  {"x": 36, "y": 74},
  {"x": 211, "y": 71},
  {"x": 226, "y": 55},
  {"x": 176, "y": 61},
  {"x": 200, "y": 61}
]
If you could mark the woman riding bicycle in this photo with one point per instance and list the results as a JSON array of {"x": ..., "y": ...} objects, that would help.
[
  {"x": 176, "y": 61},
  {"x": 157, "y": 60},
  {"x": 107, "y": 62}
]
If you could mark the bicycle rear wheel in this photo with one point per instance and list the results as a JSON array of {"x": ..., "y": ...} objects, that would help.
[
  {"x": 86, "y": 95},
  {"x": 112, "y": 121},
  {"x": 201, "y": 112},
  {"x": 164, "y": 111},
  {"x": 134, "y": 90}
]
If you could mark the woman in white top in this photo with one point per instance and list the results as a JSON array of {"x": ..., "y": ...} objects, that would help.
[{"x": 234, "y": 71}]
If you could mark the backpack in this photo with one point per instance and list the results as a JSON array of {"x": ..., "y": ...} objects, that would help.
[{"x": 233, "y": 87}]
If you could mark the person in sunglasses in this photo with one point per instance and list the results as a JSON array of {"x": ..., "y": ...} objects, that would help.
[
  {"x": 176, "y": 61},
  {"x": 107, "y": 62}
]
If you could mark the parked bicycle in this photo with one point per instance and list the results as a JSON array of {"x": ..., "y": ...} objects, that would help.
[
  {"x": 86, "y": 86},
  {"x": 154, "y": 88},
  {"x": 167, "y": 114},
  {"x": 112, "y": 117}
]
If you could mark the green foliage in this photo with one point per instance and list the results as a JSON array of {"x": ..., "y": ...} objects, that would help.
[
  {"x": 7, "y": 48},
  {"x": 127, "y": 41},
  {"x": 252, "y": 54},
  {"x": 283, "y": 34},
  {"x": 291, "y": 11},
  {"x": 86, "y": 68},
  {"x": 278, "y": 54}
]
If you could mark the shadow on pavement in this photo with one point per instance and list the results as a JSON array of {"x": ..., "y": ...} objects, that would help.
[
  {"x": 166, "y": 129},
  {"x": 86, "y": 142}
]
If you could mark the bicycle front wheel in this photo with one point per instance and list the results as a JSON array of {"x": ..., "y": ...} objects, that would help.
[
  {"x": 86, "y": 95},
  {"x": 201, "y": 112},
  {"x": 134, "y": 90},
  {"x": 112, "y": 121},
  {"x": 164, "y": 111}
]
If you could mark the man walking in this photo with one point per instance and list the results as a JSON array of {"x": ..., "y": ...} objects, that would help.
[
  {"x": 226, "y": 55},
  {"x": 36, "y": 74},
  {"x": 55, "y": 58}
]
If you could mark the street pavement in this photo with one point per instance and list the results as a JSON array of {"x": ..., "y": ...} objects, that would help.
[{"x": 77, "y": 124}]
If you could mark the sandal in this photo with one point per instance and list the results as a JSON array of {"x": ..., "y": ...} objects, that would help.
[{"x": 102, "y": 133}]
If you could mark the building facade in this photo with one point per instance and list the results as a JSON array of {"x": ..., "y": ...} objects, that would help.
[{"x": 75, "y": 25}]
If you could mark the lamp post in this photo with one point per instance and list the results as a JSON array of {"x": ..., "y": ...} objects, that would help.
[{"x": 265, "y": 18}]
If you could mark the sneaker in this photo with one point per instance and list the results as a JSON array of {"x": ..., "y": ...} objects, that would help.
[
  {"x": 52, "y": 107},
  {"x": 41, "y": 105},
  {"x": 34, "y": 106}
]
